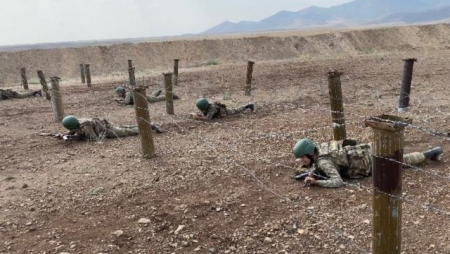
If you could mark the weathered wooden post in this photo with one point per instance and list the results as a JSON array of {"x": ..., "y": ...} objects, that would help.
[
  {"x": 169, "y": 93},
  {"x": 387, "y": 155},
  {"x": 130, "y": 63},
  {"x": 87, "y": 69},
  {"x": 23, "y": 75},
  {"x": 82, "y": 73},
  {"x": 175, "y": 71},
  {"x": 57, "y": 104},
  {"x": 337, "y": 107},
  {"x": 44, "y": 85},
  {"x": 405, "y": 91},
  {"x": 248, "y": 83},
  {"x": 131, "y": 76},
  {"x": 143, "y": 120}
]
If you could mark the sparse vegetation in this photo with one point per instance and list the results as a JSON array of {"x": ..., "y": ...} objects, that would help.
[{"x": 212, "y": 61}]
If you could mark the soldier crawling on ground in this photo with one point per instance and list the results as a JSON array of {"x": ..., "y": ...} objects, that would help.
[
  {"x": 325, "y": 165},
  {"x": 95, "y": 129},
  {"x": 9, "y": 94},
  {"x": 126, "y": 97},
  {"x": 217, "y": 109}
]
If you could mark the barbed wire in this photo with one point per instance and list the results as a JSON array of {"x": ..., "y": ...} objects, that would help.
[
  {"x": 261, "y": 183},
  {"x": 265, "y": 187}
]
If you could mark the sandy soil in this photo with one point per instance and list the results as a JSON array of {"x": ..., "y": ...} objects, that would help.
[{"x": 223, "y": 186}]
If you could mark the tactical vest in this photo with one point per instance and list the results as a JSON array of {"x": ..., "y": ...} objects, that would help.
[
  {"x": 354, "y": 161},
  {"x": 221, "y": 109},
  {"x": 93, "y": 127}
]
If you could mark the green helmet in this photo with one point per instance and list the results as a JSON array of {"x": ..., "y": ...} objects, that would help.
[
  {"x": 70, "y": 122},
  {"x": 302, "y": 147},
  {"x": 202, "y": 103},
  {"x": 120, "y": 89}
]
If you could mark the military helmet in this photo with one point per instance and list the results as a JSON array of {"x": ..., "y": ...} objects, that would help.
[
  {"x": 202, "y": 103},
  {"x": 302, "y": 147},
  {"x": 120, "y": 89},
  {"x": 70, "y": 122}
]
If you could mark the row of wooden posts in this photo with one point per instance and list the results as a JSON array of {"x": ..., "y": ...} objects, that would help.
[
  {"x": 85, "y": 73},
  {"x": 386, "y": 166}
]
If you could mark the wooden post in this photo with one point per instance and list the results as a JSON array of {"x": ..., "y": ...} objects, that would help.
[
  {"x": 131, "y": 76},
  {"x": 82, "y": 73},
  {"x": 130, "y": 63},
  {"x": 248, "y": 83},
  {"x": 87, "y": 69},
  {"x": 175, "y": 72},
  {"x": 406, "y": 84},
  {"x": 337, "y": 108},
  {"x": 23, "y": 75},
  {"x": 44, "y": 85},
  {"x": 387, "y": 155},
  {"x": 143, "y": 120},
  {"x": 57, "y": 104},
  {"x": 169, "y": 93}
]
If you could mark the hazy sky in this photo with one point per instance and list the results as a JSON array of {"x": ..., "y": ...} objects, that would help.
[{"x": 36, "y": 21}]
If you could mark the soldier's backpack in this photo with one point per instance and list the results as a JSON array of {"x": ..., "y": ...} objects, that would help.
[
  {"x": 221, "y": 109},
  {"x": 354, "y": 160}
]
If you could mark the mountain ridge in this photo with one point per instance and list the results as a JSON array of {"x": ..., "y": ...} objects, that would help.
[{"x": 355, "y": 13}]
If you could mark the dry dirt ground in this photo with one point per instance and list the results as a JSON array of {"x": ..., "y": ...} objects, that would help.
[{"x": 223, "y": 186}]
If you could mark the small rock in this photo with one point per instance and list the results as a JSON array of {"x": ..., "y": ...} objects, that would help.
[
  {"x": 144, "y": 221},
  {"x": 118, "y": 233},
  {"x": 180, "y": 227},
  {"x": 268, "y": 240}
]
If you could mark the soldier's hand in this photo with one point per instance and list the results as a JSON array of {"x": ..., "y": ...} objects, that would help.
[
  {"x": 310, "y": 181},
  {"x": 58, "y": 136},
  {"x": 195, "y": 116}
]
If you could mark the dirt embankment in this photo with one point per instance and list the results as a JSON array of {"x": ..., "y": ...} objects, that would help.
[{"x": 192, "y": 53}]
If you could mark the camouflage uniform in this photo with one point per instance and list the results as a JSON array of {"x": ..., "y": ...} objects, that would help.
[
  {"x": 99, "y": 128},
  {"x": 334, "y": 161},
  {"x": 217, "y": 110},
  {"x": 155, "y": 97},
  {"x": 9, "y": 94}
]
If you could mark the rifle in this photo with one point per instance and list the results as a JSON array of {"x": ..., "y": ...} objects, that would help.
[
  {"x": 64, "y": 137},
  {"x": 302, "y": 176},
  {"x": 71, "y": 137},
  {"x": 55, "y": 135}
]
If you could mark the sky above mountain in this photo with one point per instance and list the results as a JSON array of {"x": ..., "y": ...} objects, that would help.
[{"x": 41, "y": 21}]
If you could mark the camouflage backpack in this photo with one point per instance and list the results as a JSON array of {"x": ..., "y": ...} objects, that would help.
[
  {"x": 354, "y": 161},
  {"x": 221, "y": 109}
]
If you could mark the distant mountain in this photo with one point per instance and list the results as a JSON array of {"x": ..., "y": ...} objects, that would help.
[
  {"x": 417, "y": 17},
  {"x": 356, "y": 13}
]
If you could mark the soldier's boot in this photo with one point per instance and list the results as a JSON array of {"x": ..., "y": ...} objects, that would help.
[
  {"x": 434, "y": 153},
  {"x": 250, "y": 106},
  {"x": 175, "y": 97},
  {"x": 156, "y": 129},
  {"x": 37, "y": 93}
]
